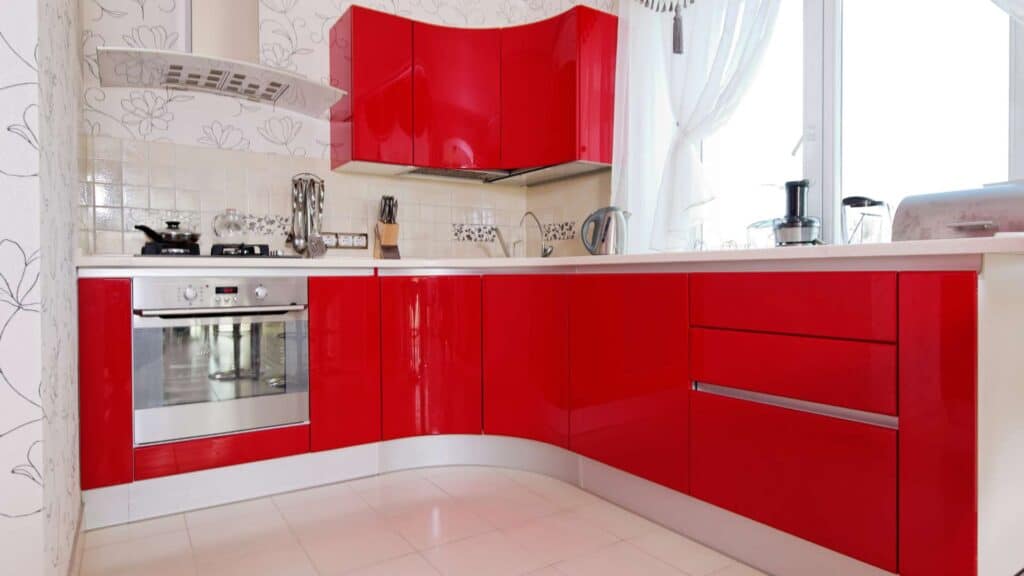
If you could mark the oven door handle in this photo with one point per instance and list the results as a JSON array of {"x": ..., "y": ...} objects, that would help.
[{"x": 236, "y": 311}]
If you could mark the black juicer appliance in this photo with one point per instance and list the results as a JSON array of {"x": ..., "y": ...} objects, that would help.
[{"x": 796, "y": 228}]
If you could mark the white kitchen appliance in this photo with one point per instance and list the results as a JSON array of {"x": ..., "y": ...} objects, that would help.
[
  {"x": 221, "y": 56},
  {"x": 218, "y": 355},
  {"x": 978, "y": 212}
]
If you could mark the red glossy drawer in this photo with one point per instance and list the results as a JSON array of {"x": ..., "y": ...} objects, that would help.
[
  {"x": 826, "y": 480},
  {"x": 855, "y": 305},
  {"x": 214, "y": 452},
  {"x": 847, "y": 373}
]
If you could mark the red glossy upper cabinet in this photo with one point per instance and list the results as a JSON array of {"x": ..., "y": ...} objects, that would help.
[
  {"x": 430, "y": 355},
  {"x": 526, "y": 357},
  {"x": 598, "y": 35},
  {"x": 371, "y": 59},
  {"x": 558, "y": 89},
  {"x": 539, "y": 58},
  {"x": 105, "y": 381},
  {"x": 344, "y": 361},
  {"x": 628, "y": 389},
  {"x": 456, "y": 97}
]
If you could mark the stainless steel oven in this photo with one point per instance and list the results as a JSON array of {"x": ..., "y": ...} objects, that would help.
[{"x": 218, "y": 355}]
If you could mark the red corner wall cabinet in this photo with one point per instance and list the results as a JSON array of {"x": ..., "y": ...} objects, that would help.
[{"x": 533, "y": 101}]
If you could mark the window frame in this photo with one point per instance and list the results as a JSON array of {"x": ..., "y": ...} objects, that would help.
[{"x": 823, "y": 76}]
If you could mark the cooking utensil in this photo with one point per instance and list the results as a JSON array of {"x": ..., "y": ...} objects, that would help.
[
  {"x": 173, "y": 234},
  {"x": 604, "y": 231}
]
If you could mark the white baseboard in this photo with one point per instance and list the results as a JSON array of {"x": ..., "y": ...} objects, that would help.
[{"x": 751, "y": 542}]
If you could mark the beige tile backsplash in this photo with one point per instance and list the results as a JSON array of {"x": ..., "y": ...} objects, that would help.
[{"x": 128, "y": 182}]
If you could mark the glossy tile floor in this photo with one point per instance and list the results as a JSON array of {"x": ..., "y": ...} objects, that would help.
[{"x": 459, "y": 521}]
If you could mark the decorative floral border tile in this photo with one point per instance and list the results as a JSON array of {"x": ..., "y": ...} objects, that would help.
[
  {"x": 474, "y": 233},
  {"x": 559, "y": 231}
]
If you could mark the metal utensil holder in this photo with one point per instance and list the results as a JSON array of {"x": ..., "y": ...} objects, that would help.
[{"x": 307, "y": 215}]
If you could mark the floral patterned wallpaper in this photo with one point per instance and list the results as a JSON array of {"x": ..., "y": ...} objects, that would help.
[
  {"x": 293, "y": 36},
  {"x": 39, "y": 103},
  {"x": 21, "y": 404}
]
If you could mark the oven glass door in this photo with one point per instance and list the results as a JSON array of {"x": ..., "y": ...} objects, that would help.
[{"x": 205, "y": 375}]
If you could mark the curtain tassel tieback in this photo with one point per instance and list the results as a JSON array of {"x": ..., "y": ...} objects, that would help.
[{"x": 676, "y": 6}]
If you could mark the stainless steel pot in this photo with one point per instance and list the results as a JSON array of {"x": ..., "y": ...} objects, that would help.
[{"x": 173, "y": 234}]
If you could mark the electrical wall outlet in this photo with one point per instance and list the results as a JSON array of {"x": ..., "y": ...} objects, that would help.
[{"x": 350, "y": 240}]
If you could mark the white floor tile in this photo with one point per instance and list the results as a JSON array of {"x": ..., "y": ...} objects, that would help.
[
  {"x": 739, "y": 570},
  {"x": 411, "y": 565},
  {"x": 622, "y": 559},
  {"x": 683, "y": 553},
  {"x": 436, "y": 523},
  {"x": 472, "y": 521},
  {"x": 134, "y": 531},
  {"x": 339, "y": 552},
  {"x": 618, "y": 521},
  {"x": 283, "y": 560},
  {"x": 560, "y": 537},
  {"x": 243, "y": 528},
  {"x": 160, "y": 555},
  {"x": 491, "y": 554}
]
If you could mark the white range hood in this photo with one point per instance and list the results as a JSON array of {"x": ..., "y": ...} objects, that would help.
[{"x": 223, "y": 59}]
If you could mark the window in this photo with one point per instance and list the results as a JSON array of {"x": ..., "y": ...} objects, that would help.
[
  {"x": 748, "y": 160},
  {"x": 925, "y": 93}
]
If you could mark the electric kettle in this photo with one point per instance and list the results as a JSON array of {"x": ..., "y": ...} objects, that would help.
[{"x": 604, "y": 231}]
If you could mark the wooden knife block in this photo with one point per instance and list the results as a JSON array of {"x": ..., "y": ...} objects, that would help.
[{"x": 386, "y": 246}]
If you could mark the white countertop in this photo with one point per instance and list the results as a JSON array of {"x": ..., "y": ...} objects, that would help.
[{"x": 929, "y": 254}]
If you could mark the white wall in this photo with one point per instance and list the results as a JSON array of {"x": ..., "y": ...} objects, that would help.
[
  {"x": 60, "y": 94},
  {"x": 39, "y": 496},
  {"x": 21, "y": 428}
]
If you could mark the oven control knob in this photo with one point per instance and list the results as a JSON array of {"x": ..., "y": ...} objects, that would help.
[
  {"x": 261, "y": 292},
  {"x": 189, "y": 293}
]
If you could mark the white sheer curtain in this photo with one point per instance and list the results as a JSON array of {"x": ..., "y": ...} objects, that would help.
[
  {"x": 1014, "y": 8},
  {"x": 724, "y": 40}
]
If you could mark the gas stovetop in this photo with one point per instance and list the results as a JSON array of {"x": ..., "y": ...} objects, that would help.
[{"x": 216, "y": 251}]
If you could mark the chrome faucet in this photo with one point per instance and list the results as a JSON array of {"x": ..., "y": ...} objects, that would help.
[{"x": 545, "y": 249}]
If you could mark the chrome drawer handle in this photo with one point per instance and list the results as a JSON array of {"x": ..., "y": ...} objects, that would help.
[{"x": 974, "y": 225}]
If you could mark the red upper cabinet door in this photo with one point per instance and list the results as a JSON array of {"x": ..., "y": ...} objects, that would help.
[
  {"x": 938, "y": 361},
  {"x": 456, "y": 97},
  {"x": 598, "y": 35},
  {"x": 526, "y": 357},
  {"x": 105, "y": 381},
  {"x": 430, "y": 334},
  {"x": 371, "y": 59},
  {"x": 539, "y": 59},
  {"x": 344, "y": 361},
  {"x": 628, "y": 363}
]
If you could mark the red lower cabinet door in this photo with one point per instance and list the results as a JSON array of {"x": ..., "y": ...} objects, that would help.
[
  {"x": 430, "y": 355},
  {"x": 826, "y": 480},
  {"x": 344, "y": 361},
  {"x": 628, "y": 391},
  {"x": 526, "y": 357},
  {"x": 938, "y": 359},
  {"x": 105, "y": 381}
]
